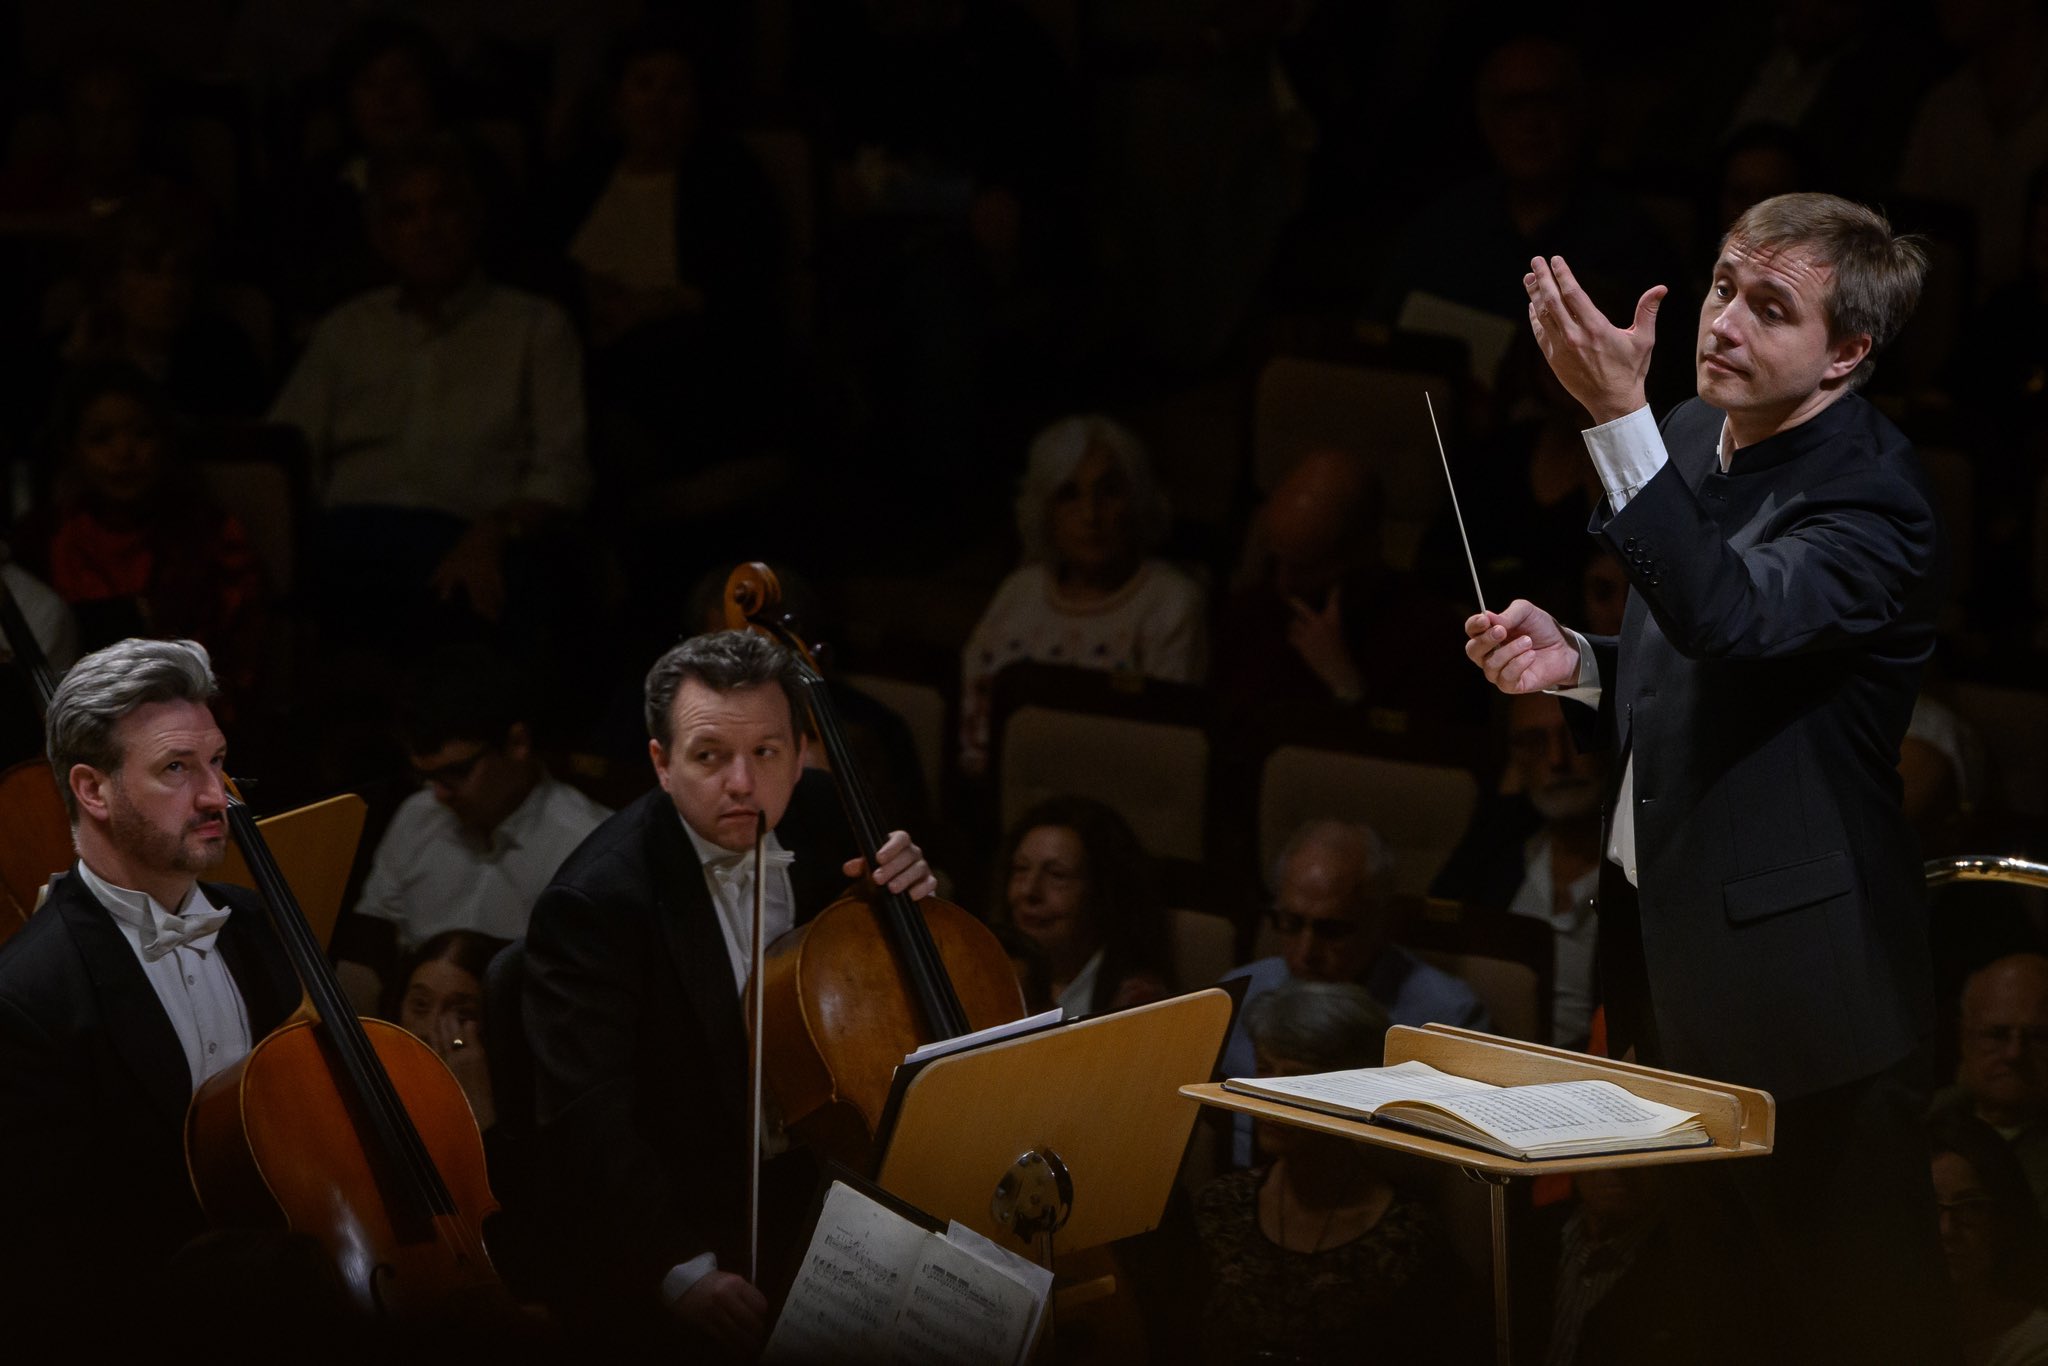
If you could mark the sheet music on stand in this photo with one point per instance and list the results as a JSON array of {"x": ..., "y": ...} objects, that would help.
[{"x": 883, "y": 1281}]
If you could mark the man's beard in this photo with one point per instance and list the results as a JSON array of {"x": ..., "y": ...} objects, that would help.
[
  {"x": 153, "y": 847},
  {"x": 1565, "y": 799}
]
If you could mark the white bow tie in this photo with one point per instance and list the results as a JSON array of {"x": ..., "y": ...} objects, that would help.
[
  {"x": 166, "y": 932},
  {"x": 737, "y": 870}
]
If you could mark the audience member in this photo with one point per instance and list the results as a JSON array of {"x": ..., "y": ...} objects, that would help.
[
  {"x": 1814, "y": 83},
  {"x": 146, "y": 305},
  {"x": 1298, "y": 637},
  {"x": 441, "y": 1000},
  {"x": 105, "y": 154},
  {"x": 2002, "y": 1066},
  {"x": 678, "y": 242},
  {"x": 1995, "y": 1243},
  {"x": 134, "y": 984},
  {"x": 388, "y": 88},
  {"x": 1527, "y": 493},
  {"x": 1758, "y": 161},
  {"x": 130, "y": 538},
  {"x": 1314, "y": 1255},
  {"x": 476, "y": 845},
  {"x": 444, "y": 413},
  {"x": 1980, "y": 134},
  {"x": 1538, "y": 197},
  {"x": 1536, "y": 852},
  {"x": 1089, "y": 594},
  {"x": 1078, "y": 883},
  {"x": 1333, "y": 913},
  {"x": 1612, "y": 1300}
]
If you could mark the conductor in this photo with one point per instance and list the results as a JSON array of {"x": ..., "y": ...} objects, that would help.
[{"x": 1761, "y": 914}]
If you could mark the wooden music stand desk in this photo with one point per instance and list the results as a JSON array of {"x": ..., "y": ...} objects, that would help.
[
  {"x": 1098, "y": 1107},
  {"x": 315, "y": 847},
  {"x": 1739, "y": 1119}
]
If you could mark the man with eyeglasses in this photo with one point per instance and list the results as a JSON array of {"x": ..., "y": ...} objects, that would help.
[
  {"x": 1331, "y": 889},
  {"x": 476, "y": 845},
  {"x": 2002, "y": 1063}
]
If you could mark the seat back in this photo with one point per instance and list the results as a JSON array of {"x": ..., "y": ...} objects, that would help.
[
  {"x": 923, "y": 709},
  {"x": 1420, "y": 810},
  {"x": 1134, "y": 744}
]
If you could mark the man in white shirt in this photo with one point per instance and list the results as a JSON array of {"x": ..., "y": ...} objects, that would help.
[
  {"x": 444, "y": 412},
  {"x": 132, "y": 985},
  {"x": 474, "y": 847},
  {"x": 635, "y": 960},
  {"x": 1761, "y": 903}
]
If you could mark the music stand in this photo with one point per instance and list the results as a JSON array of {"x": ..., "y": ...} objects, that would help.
[
  {"x": 1740, "y": 1120},
  {"x": 1075, "y": 1132}
]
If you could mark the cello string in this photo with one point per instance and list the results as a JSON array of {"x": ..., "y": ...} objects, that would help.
[{"x": 393, "y": 1127}]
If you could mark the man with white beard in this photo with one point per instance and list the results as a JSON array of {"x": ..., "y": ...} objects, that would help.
[{"x": 1549, "y": 873}]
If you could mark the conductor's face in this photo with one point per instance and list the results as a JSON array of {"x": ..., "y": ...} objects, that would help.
[
  {"x": 730, "y": 756},
  {"x": 1763, "y": 354}
]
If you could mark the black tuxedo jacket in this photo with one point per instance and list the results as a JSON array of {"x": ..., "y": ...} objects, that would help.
[
  {"x": 93, "y": 1092},
  {"x": 1766, "y": 669},
  {"x": 639, "y": 1046}
]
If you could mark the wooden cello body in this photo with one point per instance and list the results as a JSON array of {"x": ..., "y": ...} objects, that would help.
[
  {"x": 272, "y": 1142},
  {"x": 351, "y": 1131},
  {"x": 846, "y": 996}
]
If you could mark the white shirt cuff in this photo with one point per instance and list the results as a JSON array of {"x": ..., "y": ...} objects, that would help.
[
  {"x": 1628, "y": 452},
  {"x": 1586, "y": 687},
  {"x": 680, "y": 1278}
]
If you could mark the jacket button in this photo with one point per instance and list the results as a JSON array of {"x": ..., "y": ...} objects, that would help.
[
  {"x": 1653, "y": 583},
  {"x": 1628, "y": 543}
]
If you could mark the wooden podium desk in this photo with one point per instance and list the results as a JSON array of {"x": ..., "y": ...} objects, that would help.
[{"x": 1739, "y": 1119}]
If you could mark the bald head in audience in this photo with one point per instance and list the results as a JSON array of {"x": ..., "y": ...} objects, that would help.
[
  {"x": 1321, "y": 519},
  {"x": 1331, "y": 886},
  {"x": 2004, "y": 1062}
]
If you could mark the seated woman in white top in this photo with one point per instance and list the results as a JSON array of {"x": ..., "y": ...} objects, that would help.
[{"x": 1089, "y": 594}]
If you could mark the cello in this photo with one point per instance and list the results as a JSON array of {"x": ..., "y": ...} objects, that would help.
[
  {"x": 848, "y": 995},
  {"x": 350, "y": 1130},
  {"x": 32, "y": 809}
]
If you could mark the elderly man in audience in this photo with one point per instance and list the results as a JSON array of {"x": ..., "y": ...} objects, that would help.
[
  {"x": 1332, "y": 913},
  {"x": 476, "y": 845},
  {"x": 1537, "y": 853},
  {"x": 1300, "y": 629},
  {"x": 444, "y": 411},
  {"x": 1316, "y": 1251},
  {"x": 2002, "y": 1068},
  {"x": 134, "y": 983}
]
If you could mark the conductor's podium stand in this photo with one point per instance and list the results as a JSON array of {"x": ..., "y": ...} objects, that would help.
[{"x": 1739, "y": 1120}]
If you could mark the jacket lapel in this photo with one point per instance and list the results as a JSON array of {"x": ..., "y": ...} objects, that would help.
[
  {"x": 696, "y": 945},
  {"x": 138, "y": 1029}
]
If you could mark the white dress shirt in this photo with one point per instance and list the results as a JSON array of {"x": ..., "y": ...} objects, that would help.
[
  {"x": 729, "y": 877},
  {"x": 190, "y": 978},
  {"x": 1628, "y": 452},
  {"x": 431, "y": 874},
  {"x": 1574, "y": 938},
  {"x": 461, "y": 413}
]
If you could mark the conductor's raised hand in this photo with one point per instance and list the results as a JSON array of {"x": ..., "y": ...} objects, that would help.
[
  {"x": 899, "y": 866},
  {"x": 1522, "y": 649},
  {"x": 1599, "y": 364}
]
